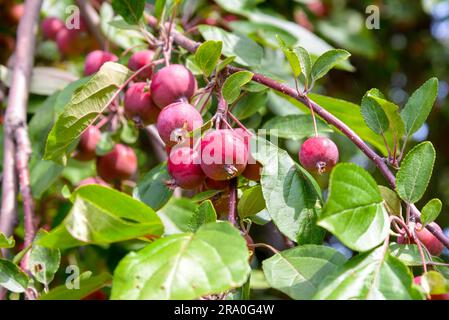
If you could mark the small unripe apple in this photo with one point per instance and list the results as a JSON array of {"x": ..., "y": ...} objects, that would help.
[
  {"x": 318, "y": 154},
  {"x": 253, "y": 168},
  {"x": 171, "y": 84},
  {"x": 176, "y": 120},
  {"x": 85, "y": 150},
  {"x": 442, "y": 296},
  {"x": 140, "y": 59},
  {"x": 432, "y": 244},
  {"x": 139, "y": 105},
  {"x": 51, "y": 26},
  {"x": 223, "y": 154},
  {"x": 117, "y": 165},
  {"x": 96, "y": 59},
  {"x": 184, "y": 166}
]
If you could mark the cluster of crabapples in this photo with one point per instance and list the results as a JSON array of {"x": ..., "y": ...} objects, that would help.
[
  {"x": 220, "y": 155},
  {"x": 71, "y": 41}
]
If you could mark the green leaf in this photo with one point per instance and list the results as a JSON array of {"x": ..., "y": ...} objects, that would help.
[
  {"x": 294, "y": 126},
  {"x": 86, "y": 104},
  {"x": 86, "y": 287},
  {"x": 354, "y": 211},
  {"x": 415, "y": 172},
  {"x": 306, "y": 64},
  {"x": 152, "y": 189},
  {"x": 12, "y": 278},
  {"x": 43, "y": 262},
  {"x": 205, "y": 213},
  {"x": 233, "y": 85},
  {"x": 298, "y": 272},
  {"x": 246, "y": 51},
  {"x": 407, "y": 253},
  {"x": 431, "y": 211},
  {"x": 391, "y": 201},
  {"x": 327, "y": 61},
  {"x": 291, "y": 56},
  {"x": 102, "y": 215},
  {"x": 117, "y": 31},
  {"x": 419, "y": 105},
  {"x": 374, "y": 275},
  {"x": 207, "y": 56},
  {"x": 249, "y": 104},
  {"x": 374, "y": 115},
  {"x": 223, "y": 64},
  {"x": 130, "y": 10},
  {"x": 396, "y": 125},
  {"x": 60, "y": 238},
  {"x": 177, "y": 215},
  {"x": 129, "y": 133},
  {"x": 184, "y": 266},
  {"x": 251, "y": 202},
  {"x": 199, "y": 197},
  {"x": 292, "y": 196},
  {"x": 7, "y": 242}
]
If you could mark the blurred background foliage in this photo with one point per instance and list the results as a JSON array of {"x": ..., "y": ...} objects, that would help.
[{"x": 411, "y": 45}]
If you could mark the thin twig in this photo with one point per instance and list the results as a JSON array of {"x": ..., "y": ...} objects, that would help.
[{"x": 232, "y": 216}]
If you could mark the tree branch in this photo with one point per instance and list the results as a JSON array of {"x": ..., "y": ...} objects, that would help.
[
  {"x": 17, "y": 148},
  {"x": 191, "y": 46}
]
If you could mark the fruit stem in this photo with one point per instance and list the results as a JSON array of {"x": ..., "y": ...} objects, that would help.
[{"x": 232, "y": 216}]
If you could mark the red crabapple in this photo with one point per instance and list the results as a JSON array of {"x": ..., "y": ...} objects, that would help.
[
  {"x": 175, "y": 120},
  {"x": 93, "y": 180},
  {"x": 212, "y": 184},
  {"x": 51, "y": 26},
  {"x": 96, "y": 59},
  {"x": 171, "y": 84},
  {"x": 223, "y": 154},
  {"x": 85, "y": 150},
  {"x": 138, "y": 104},
  {"x": 184, "y": 167},
  {"x": 432, "y": 244},
  {"x": 318, "y": 154},
  {"x": 140, "y": 59},
  {"x": 72, "y": 42},
  {"x": 253, "y": 168},
  {"x": 119, "y": 164}
]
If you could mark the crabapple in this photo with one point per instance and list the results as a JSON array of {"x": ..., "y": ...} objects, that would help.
[
  {"x": 171, "y": 84},
  {"x": 119, "y": 164},
  {"x": 72, "y": 42},
  {"x": 51, "y": 26},
  {"x": 432, "y": 244},
  {"x": 223, "y": 154},
  {"x": 253, "y": 168},
  {"x": 318, "y": 154},
  {"x": 85, "y": 150},
  {"x": 175, "y": 120},
  {"x": 138, "y": 104},
  {"x": 212, "y": 184},
  {"x": 93, "y": 180},
  {"x": 96, "y": 59},
  {"x": 441, "y": 296},
  {"x": 184, "y": 167},
  {"x": 140, "y": 59}
]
